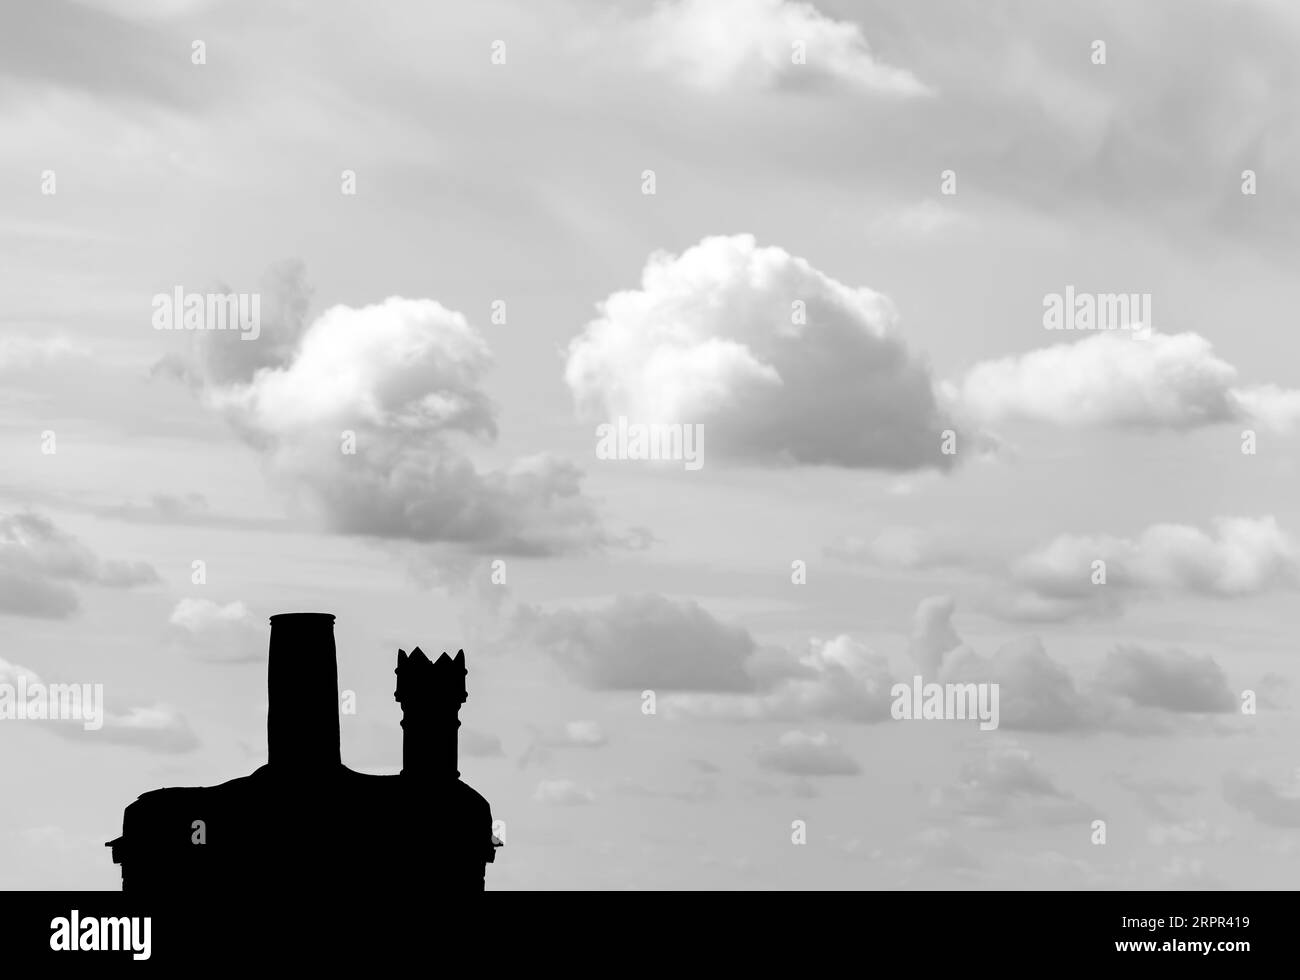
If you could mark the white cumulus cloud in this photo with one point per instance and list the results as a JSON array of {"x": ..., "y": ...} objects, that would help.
[
  {"x": 363, "y": 414},
  {"x": 715, "y": 44},
  {"x": 1239, "y": 556},
  {"x": 209, "y": 631},
  {"x": 1112, "y": 379},
  {"x": 778, "y": 361}
]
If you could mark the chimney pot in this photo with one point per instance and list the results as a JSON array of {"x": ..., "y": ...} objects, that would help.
[{"x": 302, "y": 722}]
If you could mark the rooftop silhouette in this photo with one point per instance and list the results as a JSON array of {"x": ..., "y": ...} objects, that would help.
[{"x": 305, "y": 821}]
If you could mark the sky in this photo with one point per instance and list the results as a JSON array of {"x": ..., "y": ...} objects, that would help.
[{"x": 826, "y": 236}]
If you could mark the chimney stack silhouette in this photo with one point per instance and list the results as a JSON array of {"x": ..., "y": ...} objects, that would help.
[
  {"x": 430, "y": 694},
  {"x": 304, "y": 824},
  {"x": 302, "y": 721}
]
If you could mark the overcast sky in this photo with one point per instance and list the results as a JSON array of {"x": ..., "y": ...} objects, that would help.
[{"x": 860, "y": 211}]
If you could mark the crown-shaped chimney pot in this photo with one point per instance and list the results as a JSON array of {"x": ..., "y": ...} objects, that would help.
[{"x": 430, "y": 693}]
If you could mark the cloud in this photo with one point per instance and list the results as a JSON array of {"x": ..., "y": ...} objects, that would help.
[
  {"x": 19, "y": 353},
  {"x": 1274, "y": 407},
  {"x": 716, "y": 44},
  {"x": 409, "y": 366},
  {"x": 285, "y": 298},
  {"x": 562, "y": 792},
  {"x": 1242, "y": 556},
  {"x": 844, "y": 680},
  {"x": 203, "y": 629},
  {"x": 38, "y": 560},
  {"x": 1263, "y": 800},
  {"x": 586, "y": 734},
  {"x": 1151, "y": 793},
  {"x": 1198, "y": 831},
  {"x": 920, "y": 220},
  {"x": 933, "y": 637},
  {"x": 82, "y": 50},
  {"x": 1273, "y": 690},
  {"x": 805, "y": 754},
  {"x": 158, "y": 728},
  {"x": 1139, "y": 691},
  {"x": 1004, "y": 787},
  {"x": 645, "y": 642},
  {"x": 836, "y": 680},
  {"x": 938, "y": 850},
  {"x": 571, "y": 735},
  {"x": 21, "y": 596},
  {"x": 146, "y": 11},
  {"x": 711, "y": 338},
  {"x": 901, "y": 548},
  {"x": 1188, "y": 874},
  {"x": 188, "y": 510},
  {"x": 1236, "y": 556},
  {"x": 163, "y": 507},
  {"x": 1035, "y": 692},
  {"x": 364, "y": 413},
  {"x": 1111, "y": 379},
  {"x": 718, "y": 672},
  {"x": 701, "y": 789},
  {"x": 1030, "y": 607},
  {"x": 1168, "y": 679}
]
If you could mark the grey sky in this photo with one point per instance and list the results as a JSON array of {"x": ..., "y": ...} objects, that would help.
[{"x": 483, "y": 182}]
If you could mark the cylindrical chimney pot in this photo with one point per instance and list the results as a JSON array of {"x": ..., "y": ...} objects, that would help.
[{"x": 302, "y": 722}]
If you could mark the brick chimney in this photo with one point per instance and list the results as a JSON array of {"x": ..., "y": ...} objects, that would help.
[
  {"x": 430, "y": 694},
  {"x": 302, "y": 721}
]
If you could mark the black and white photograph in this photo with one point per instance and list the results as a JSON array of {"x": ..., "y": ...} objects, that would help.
[{"x": 661, "y": 446}]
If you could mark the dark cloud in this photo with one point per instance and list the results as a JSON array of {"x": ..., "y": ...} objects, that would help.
[
  {"x": 645, "y": 642},
  {"x": 1168, "y": 679},
  {"x": 38, "y": 561}
]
